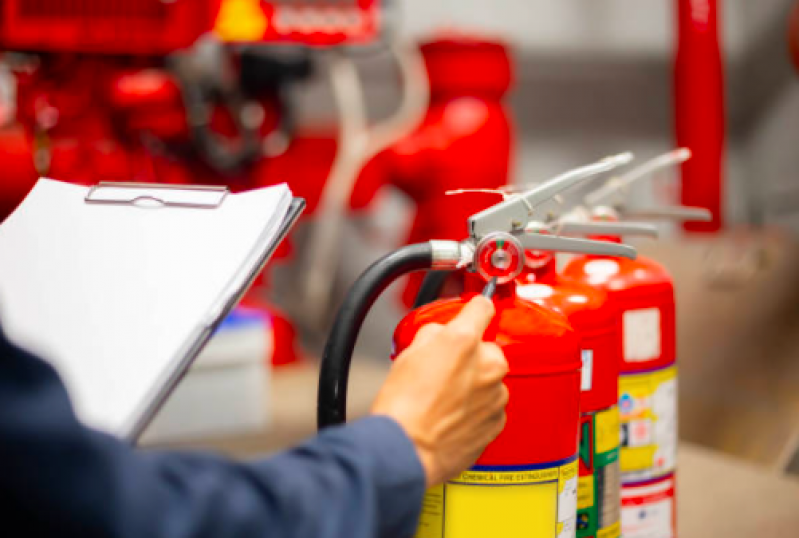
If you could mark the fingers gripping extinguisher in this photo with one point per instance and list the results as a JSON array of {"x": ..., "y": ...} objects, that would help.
[
  {"x": 527, "y": 478},
  {"x": 643, "y": 292}
]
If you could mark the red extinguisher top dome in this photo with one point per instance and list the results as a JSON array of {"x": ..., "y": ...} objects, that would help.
[
  {"x": 644, "y": 294},
  {"x": 543, "y": 354}
]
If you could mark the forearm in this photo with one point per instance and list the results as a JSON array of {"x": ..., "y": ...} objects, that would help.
[
  {"x": 58, "y": 478},
  {"x": 360, "y": 481}
]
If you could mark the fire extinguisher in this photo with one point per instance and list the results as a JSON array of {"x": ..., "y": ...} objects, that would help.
[
  {"x": 643, "y": 293},
  {"x": 526, "y": 478},
  {"x": 596, "y": 321}
]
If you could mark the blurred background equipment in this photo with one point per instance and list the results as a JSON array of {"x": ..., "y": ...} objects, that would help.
[{"x": 327, "y": 95}]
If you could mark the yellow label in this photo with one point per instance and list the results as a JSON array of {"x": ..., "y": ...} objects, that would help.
[
  {"x": 607, "y": 430},
  {"x": 637, "y": 459},
  {"x": 585, "y": 492},
  {"x": 648, "y": 416},
  {"x": 513, "y": 503},
  {"x": 241, "y": 20}
]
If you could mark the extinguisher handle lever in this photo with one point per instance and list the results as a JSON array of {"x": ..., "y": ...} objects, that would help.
[
  {"x": 618, "y": 185},
  {"x": 678, "y": 213},
  {"x": 513, "y": 214},
  {"x": 615, "y": 229},
  {"x": 555, "y": 243}
]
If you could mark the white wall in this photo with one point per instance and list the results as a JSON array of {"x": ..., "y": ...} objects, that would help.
[{"x": 628, "y": 28}]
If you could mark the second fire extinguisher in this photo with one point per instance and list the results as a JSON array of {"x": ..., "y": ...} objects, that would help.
[
  {"x": 526, "y": 480},
  {"x": 643, "y": 292},
  {"x": 596, "y": 321}
]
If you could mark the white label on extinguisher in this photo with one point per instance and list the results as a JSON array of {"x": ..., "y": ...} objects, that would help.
[
  {"x": 648, "y": 511},
  {"x": 588, "y": 370},
  {"x": 641, "y": 334}
]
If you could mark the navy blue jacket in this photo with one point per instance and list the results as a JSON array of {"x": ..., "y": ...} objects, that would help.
[{"x": 61, "y": 479}]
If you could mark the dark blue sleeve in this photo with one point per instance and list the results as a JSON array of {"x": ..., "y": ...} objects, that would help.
[{"x": 58, "y": 478}]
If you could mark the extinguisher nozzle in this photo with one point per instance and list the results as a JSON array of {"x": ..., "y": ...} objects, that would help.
[{"x": 490, "y": 289}]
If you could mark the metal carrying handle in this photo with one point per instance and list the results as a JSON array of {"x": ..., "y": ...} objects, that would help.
[
  {"x": 616, "y": 185},
  {"x": 514, "y": 213},
  {"x": 640, "y": 229},
  {"x": 556, "y": 243},
  {"x": 680, "y": 213}
]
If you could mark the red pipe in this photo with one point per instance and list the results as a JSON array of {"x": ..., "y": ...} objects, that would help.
[
  {"x": 793, "y": 35},
  {"x": 699, "y": 108}
]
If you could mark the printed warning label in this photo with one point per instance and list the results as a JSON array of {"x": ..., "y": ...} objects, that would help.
[
  {"x": 513, "y": 502},
  {"x": 648, "y": 412}
]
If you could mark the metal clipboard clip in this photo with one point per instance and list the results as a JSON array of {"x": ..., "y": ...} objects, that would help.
[{"x": 147, "y": 195}]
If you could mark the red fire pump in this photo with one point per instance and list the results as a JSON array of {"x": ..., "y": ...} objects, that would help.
[
  {"x": 643, "y": 292},
  {"x": 535, "y": 457}
]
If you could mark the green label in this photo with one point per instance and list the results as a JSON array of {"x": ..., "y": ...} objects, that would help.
[{"x": 598, "y": 490}]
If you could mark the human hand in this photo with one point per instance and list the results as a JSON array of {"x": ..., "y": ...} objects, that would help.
[{"x": 446, "y": 391}]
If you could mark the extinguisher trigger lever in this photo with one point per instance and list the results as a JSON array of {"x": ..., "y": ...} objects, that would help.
[
  {"x": 615, "y": 229},
  {"x": 513, "y": 214},
  {"x": 616, "y": 187},
  {"x": 679, "y": 213},
  {"x": 555, "y": 243}
]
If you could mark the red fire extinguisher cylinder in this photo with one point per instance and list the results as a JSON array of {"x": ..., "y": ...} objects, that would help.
[{"x": 595, "y": 320}]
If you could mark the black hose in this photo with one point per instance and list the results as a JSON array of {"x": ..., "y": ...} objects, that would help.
[
  {"x": 431, "y": 287},
  {"x": 336, "y": 359}
]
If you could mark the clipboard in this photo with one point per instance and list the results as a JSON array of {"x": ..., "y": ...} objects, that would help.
[{"x": 164, "y": 213}]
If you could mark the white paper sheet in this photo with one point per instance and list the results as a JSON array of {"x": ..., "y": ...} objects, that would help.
[{"x": 115, "y": 296}]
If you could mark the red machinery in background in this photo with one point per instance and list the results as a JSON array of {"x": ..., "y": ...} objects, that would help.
[
  {"x": 148, "y": 90},
  {"x": 186, "y": 91}
]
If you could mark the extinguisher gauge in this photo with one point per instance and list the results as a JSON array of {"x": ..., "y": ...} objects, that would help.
[{"x": 499, "y": 255}]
